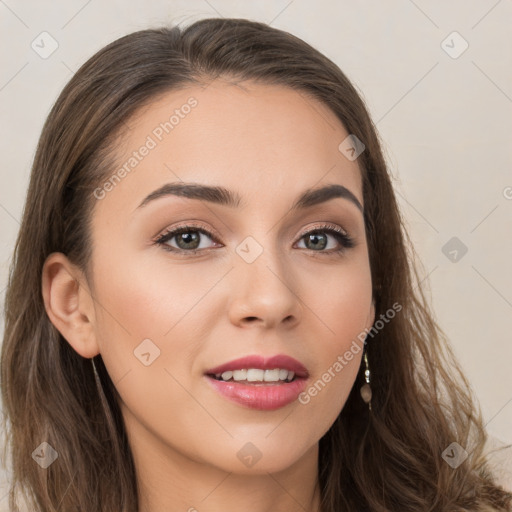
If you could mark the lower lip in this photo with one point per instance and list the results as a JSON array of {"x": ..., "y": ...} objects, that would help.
[{"x": 264, "y": 397}]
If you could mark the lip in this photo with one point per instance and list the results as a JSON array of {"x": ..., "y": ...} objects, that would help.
[
  {"x": 264, "y": 397},
  {"x": 263, "y": 363}
]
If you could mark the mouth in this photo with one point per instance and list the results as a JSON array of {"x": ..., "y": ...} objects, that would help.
[
  {"x": 259, "y": 383},
  {"x": 256, "y": 369}
]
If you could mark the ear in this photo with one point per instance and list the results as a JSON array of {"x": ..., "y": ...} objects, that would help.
[{"x": 69, "y": 304}]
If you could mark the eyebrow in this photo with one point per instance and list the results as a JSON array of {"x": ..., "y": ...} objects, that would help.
[{"x": 223, "y": 196}]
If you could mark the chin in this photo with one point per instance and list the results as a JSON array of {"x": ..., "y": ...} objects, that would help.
[{"x": 261, "y": 456}]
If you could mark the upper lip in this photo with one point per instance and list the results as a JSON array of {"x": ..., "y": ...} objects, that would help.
[{"x": 281, "y": 361}]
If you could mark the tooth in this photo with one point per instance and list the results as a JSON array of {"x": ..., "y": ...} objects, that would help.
[
  {"x": 240, "y": 375},
  {"x": 254, "y": 375},
  {"x": 257, "y": 375},
  {"x": 271, "y": 375}
]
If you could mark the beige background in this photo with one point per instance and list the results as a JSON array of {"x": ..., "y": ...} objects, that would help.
[{"x": 445, "y": 121}]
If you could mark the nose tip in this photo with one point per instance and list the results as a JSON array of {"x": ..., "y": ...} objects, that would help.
[{"x": 261, "y": 297}]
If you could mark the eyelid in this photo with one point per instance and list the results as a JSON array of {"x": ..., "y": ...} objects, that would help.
[
  {"x": 324, "y": 225},
  {"x": 189, "y": 225}
]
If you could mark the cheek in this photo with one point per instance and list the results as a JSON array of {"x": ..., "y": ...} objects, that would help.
[
  {"x": 160, "y": 289},
  {"x": 150, "y": 327},
  {"x": 342, "y": 302},
  {"x": 159, "y": 307},
  {"x": 343, "y": 312},
  {"x": 325, "y": 396},
  {"x": 133, "y": 305}
]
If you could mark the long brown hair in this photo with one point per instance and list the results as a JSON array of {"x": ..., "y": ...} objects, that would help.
[{"x": 386, "y": 459}]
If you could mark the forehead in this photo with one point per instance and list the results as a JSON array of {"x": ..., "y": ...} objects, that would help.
[{"x": 257, "y": 139}]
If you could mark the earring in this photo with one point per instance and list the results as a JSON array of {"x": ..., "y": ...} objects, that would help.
[
  {"x": 96, "y": 377},
  {"x": 366, "y": 390}
]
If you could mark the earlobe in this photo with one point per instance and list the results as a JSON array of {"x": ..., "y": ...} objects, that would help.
[{"x": 68, "y": 304}]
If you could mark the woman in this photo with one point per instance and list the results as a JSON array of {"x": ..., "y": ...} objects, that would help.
[{"x": 212, "y": 302}]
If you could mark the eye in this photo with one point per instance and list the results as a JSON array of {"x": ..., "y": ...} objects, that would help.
[
  {"x": 189, "y": 239},
  {"x": 317, "y": 239}
]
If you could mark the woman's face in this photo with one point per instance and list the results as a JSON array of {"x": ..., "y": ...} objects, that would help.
[{"x": 248, "y": 284}]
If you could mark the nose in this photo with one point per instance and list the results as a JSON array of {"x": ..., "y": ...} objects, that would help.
[{"x": 263, "y": 293}]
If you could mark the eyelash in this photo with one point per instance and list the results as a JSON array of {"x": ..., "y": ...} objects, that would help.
[{"x": 339, "y": 234}]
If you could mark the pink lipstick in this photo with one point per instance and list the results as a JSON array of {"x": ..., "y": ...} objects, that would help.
[{"x": 260, "y": 383}]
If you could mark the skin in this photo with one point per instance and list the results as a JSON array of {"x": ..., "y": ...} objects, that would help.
[{"x": 268, "y": 144}]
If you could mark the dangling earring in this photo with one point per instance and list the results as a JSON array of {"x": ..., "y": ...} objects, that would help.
[{"x": 366, "y": 390}]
